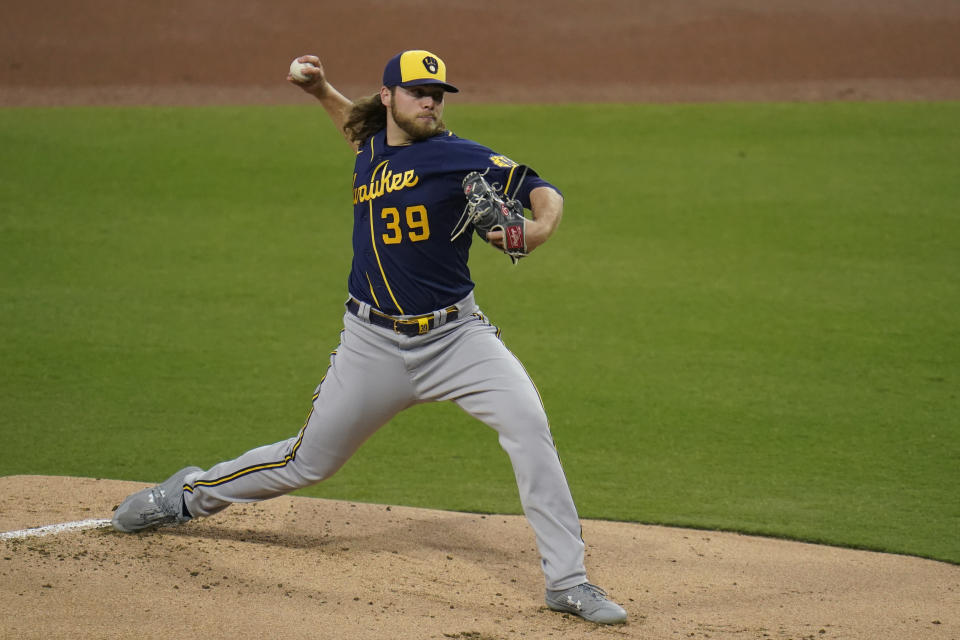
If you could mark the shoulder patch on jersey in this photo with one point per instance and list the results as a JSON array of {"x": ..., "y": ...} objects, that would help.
[{"x": 502, "y": 161}]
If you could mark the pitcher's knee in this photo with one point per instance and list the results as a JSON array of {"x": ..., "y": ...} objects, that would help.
[
  {"x": 315, "y": 470},
  {"x": 528, "y": 434}
]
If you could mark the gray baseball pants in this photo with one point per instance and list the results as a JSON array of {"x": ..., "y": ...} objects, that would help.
[{"x": 374, "y": 374}]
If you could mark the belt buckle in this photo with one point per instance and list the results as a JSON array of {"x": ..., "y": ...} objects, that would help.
[{"x": 423, "y": 324}]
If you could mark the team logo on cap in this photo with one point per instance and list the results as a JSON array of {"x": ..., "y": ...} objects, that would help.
[{"x": 431, "y": 64}]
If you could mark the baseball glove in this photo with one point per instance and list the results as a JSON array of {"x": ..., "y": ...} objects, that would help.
[{"x": 489, "y": 209}]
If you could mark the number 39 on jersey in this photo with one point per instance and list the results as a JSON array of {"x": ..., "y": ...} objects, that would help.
[{"x": 412, "y": 224}]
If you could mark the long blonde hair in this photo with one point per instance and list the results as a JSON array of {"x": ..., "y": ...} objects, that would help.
[{"x": 367, "y": 116}]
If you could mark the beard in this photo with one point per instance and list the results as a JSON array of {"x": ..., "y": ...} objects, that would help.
[{"x": 416, "y": 128}]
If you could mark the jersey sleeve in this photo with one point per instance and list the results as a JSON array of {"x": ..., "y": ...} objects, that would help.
[{"x": 516, "y": 180}]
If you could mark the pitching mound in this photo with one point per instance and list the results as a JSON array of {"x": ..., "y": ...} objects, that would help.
[{"x": 309, "y": 568}]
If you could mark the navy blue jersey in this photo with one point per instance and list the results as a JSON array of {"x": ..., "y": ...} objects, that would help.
[{"x": 406, "y": 202}]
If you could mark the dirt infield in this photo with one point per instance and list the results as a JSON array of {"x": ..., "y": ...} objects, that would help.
[
  {"x": 197, "y": 52},
  {"x": 301, "y": 568},
  {"x": 309, "y": 568}
]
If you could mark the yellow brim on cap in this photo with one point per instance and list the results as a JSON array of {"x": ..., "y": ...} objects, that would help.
[{"x": 420, "y": 67}]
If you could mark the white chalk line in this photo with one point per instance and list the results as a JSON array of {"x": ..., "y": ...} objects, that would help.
[{"x": 53, "y": 529}]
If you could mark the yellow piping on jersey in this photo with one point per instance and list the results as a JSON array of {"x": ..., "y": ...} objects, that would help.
[
  {"x": 373, "y": 243},
  {"x": 372, "y": 294},
  {"x": 506, "y": 189}
]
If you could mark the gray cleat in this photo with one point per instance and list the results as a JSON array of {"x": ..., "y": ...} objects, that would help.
[
  {"x": 587, "y": 601},
  {"x": 162, "y": 504}
]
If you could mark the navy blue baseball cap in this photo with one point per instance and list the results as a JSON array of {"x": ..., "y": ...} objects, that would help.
[{"x": 415, "y": 68}]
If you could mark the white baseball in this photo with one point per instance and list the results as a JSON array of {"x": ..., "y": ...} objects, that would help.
[{"x": 296, "y": 70}]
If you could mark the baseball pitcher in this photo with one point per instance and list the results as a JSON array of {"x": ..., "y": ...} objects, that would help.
[{"x": 413, "y": 332}]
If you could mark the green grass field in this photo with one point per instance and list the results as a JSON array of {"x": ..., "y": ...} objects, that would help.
[{"x": 749, "y": 320}]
